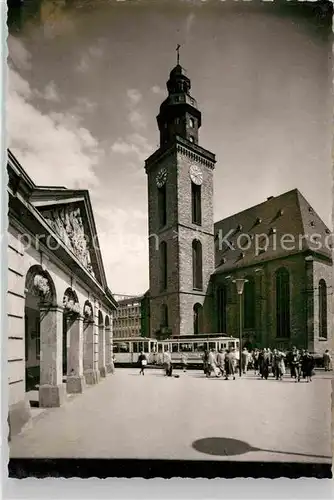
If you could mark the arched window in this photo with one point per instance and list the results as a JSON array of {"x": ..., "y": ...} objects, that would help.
[
  {"x": 197, "y": 265},
  {"x": 322, "y": 309},
  {"x": 162, "y": 205},
  {"x": 222, "y": 303},
  {"x": 198, "y": 319},
  {"x": 164, "y": 316},
  {"x": 282, "y": 303},
  {"x": 163, "y": 265},
  {"x": 249, "y": 303},
  {"x": 196, "y": 206}
]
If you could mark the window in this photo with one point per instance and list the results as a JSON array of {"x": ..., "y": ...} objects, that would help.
[
  {"x": 282, "y": 303},
  {"x": 222, "y": 303},
  {"x": 198, "y": 319},
  {"x": 163, "y": 265},
  {"x": 164, "y": 316},
  {"x": 162, "y": 205},
  {"x": 197, "y": 265},
  {"x": 196, "y": 204},
  {"x": 191, "y": 122},
  {"x": 249, "y": 303},
  {"x": 322, "y": 309}
]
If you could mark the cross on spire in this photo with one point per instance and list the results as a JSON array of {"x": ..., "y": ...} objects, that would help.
[{"x": 178, "y": 53}]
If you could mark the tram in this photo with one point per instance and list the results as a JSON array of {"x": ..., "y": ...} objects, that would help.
[{"x": 127, "y": 350}]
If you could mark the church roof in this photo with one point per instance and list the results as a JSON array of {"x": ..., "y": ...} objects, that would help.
[{"x": 281, "y": 226}]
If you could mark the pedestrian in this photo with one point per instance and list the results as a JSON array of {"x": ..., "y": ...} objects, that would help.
[
  {"x": 206, "y": 367},
  {"x": 265, "y": 363},
  {"x": 295, "y": 364},
  {"x": 230, "y": 363},
  {"x": 212, "y": 364},
  {"x": 221, "y": 361},
  {"x": 112, "y": 364},
  {"x": 309, "y": 366},
  {"x": 184, "y": 362},
  {"x": 168, "y": 364},
  {"x": 244, "y": 360},
  {"x": 142, "y": 360},
  {"x": 327, "y": 360}
]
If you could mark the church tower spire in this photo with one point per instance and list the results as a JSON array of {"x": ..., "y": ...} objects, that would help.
[{"x": 179, "y": 114}]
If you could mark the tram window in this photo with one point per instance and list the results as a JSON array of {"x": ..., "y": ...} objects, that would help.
[
  {"x": 140, "y": 346},
  {"x": 145, "y": 346},
  {"x": 237, "y": 344},
  {"x": 153, "y": 346},
  {"x": 212, "y": 345},
  {"x": 175, "y": 347},
  {"x": 134, "y": 346},
  {"x": 185, "y": 347},
  {"x": 166, "y": 347},
  {"x": 231, "y": 345},
  {"x": 124, "y": 347},
  {"x": 159, "y": 347},
  {"x": 115, "y": 347},
  {"x": 198, "y": 347}
]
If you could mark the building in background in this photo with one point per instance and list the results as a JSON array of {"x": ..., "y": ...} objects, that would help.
[{"x": 127, "y": 318}]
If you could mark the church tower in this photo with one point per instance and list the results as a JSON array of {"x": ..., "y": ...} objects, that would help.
[{"x": 180, "y": 206}]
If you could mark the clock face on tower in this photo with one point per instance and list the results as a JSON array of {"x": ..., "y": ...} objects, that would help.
[
  {"x": 161, "y": 177},
  {"x": 196, "y": 174}
]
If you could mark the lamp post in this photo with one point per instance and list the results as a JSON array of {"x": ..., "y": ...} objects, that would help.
[{"x": 240, "y": 283}]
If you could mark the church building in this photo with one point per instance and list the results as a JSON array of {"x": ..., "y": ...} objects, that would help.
[{"x": 280, "y": 249}]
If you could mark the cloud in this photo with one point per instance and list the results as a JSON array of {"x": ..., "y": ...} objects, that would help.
[
  {"x": 50, "y": 93},
  {"x": 137, "y": 119},
  {"x": 135, "y": 116},
  {"x": 189, "y": 23},
  {"x": 157, "y": 90},
  {"x": 83, "y": 65},
  {"x": 134, "y": 144},
  {"x": 134, "y": 96},
  {"x": 123, "y": 238},
  {"x": 53, "y": 148},
  {"x": 18, "y": 54}
]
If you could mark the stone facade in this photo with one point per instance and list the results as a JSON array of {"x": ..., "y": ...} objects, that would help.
[
  {"x": 43, "y": 277},
  {"x": 266, "y": 225},
  {"x": 179, "y": 234}
]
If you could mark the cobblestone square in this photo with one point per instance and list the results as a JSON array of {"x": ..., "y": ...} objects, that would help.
[{"x": 191, "y": 418}]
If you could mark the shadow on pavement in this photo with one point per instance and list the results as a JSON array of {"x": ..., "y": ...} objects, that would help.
[{"x": 229, "y": 447}]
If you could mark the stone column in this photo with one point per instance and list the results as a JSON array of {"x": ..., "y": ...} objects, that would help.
[
  {"x": 102, "y": 351},
  {"x": 51, "y": 390},
  {"x": 108, "y": 349},
  {"x": 75, "y": 380},
  {"x": 89, "y": 365}
]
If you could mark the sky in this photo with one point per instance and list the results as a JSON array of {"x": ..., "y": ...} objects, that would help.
[{"x": 86, "y": 79}]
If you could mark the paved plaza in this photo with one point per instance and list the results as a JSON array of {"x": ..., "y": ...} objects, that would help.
[{"x": 190, "y": 418}]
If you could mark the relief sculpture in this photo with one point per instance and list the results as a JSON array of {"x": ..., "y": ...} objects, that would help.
[{"x": 67, "y": 223}]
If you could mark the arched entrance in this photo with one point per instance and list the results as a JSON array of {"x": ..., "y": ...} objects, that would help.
[{"x": 40, "y": 300}]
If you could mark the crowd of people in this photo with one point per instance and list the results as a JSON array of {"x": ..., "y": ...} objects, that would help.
[
  {"x": 300, "y": 363},
  {"x": 264, "y": 362}
]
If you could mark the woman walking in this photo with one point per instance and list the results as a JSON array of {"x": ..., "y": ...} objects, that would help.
[{"x": 142, "y": 360}]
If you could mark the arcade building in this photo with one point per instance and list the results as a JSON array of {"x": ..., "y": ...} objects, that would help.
[
  {"x": 287, "y": 297},
  {"x": 59, "y": 306}
]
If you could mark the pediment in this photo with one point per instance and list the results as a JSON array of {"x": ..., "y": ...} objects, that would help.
[{"x": 70, "y": 217}]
